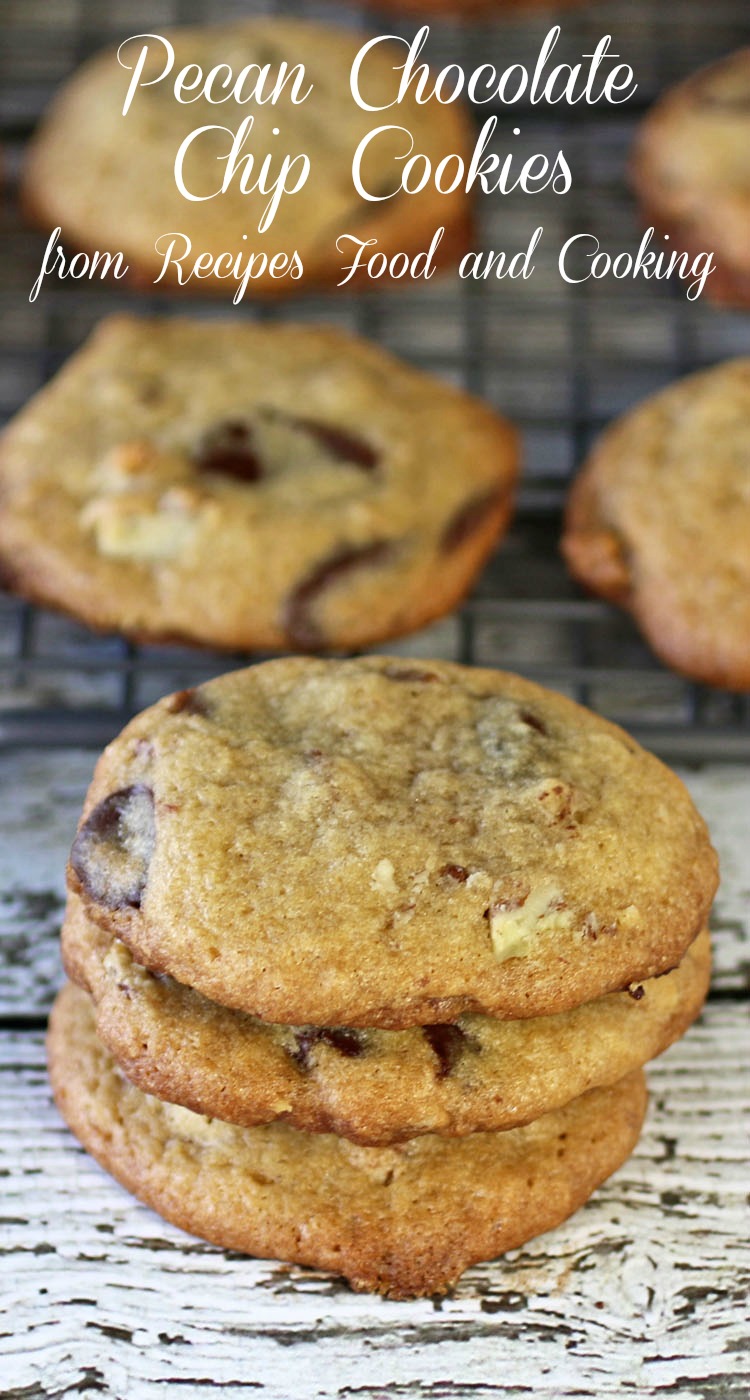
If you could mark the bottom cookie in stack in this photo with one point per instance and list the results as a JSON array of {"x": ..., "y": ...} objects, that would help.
[
  {"x": 435, "y": 1193},
  {"x": 403, "y": 1220}
]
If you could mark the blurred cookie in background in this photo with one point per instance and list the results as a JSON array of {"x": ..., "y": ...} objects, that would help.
[
  {"x": 149, "y": 183},
  {"x": 659, "y": 521},
  {"x": 691, "y": 171},
  {"x": 250, "y": 487}
]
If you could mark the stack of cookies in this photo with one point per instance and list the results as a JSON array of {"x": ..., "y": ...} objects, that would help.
[{"x": 369, "y": 956}]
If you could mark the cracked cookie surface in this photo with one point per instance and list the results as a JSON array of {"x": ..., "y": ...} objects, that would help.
[
  {"x": 403, "y": 1220},
  {"x": 658, "y": 520},
  {"x": 250, "y": 487},
  {"x": 371, "y": 1086},
  {"x": 384, "y": 842}
]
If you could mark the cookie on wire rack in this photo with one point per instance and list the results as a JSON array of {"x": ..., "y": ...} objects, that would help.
[
  {"x": 250, "y": 487},
  {"x": 658, "y": 521},
  {"x": 109, "y": 180},
  {"x": 691, "y": 171}
]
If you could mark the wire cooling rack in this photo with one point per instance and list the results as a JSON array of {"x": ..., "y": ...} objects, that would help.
[{"x": 560, "y": 360}]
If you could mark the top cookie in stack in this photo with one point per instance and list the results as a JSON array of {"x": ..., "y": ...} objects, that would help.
[{"x": 386, "y": 843}]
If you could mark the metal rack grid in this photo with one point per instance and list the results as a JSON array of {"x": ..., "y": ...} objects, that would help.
[{"x": 560, "y": 360}]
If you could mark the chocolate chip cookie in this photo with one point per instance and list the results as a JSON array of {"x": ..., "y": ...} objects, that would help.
[
  {"x": 381, "y": 842},
  {"x": 659, "y": 521},
  {"x": 250, "y": 487},
  {"x": 402, "y": 1220},
  {"x": 691, "y": 169},
  {"x": 371, "y": 1086},
  {"x": 110, "y": 181}
]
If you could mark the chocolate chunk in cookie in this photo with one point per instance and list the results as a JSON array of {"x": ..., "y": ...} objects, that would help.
[
  {"x": 228, "y": 448},
  {"x": 300, "y": 623},
  {"x": 343, "y": 1040},
  {"x": 113, "y": 848}
]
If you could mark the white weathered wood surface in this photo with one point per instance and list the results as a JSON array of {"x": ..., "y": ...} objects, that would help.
[{"x": 644, "y": 1292}]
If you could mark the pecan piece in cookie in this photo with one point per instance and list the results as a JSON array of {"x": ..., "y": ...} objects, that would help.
[
  {"x": 457, "y": 873},
  {"x": 186, "y": 702},
  {"x": 409, "y": 675},
  {"x": 113, "y": 848}
]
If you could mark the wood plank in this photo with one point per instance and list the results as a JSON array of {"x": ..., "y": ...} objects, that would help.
[
  {"x": 48, "y": 788},
  {"x": 45, "y": 791},
  {"x": 722, "y": 796},
  {"x": 643, "y": 1292}
]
